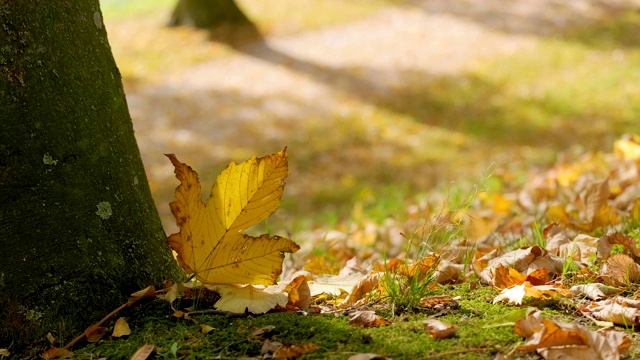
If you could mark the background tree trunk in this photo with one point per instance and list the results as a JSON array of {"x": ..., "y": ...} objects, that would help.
[
  {"x": 207, "y": 14},
  {"x": 78, "y": 227}
]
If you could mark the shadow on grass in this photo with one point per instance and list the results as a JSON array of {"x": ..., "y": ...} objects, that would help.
[{"x": 413, "y": 134}]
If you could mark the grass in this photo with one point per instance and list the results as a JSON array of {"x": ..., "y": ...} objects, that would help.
[{"x": 405, "y": 339}]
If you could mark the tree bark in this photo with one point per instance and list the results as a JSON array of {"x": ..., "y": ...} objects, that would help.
[{"x": 78, "y": 228}]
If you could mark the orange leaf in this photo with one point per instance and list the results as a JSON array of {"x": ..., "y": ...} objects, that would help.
[
  {"x": 56, "y": 353},
  {"x": 146, "y": 293},
  {"x": 299, "y": 293},
  {"x": 504, "y": 277},
  {"x": 293, "y": 351}
]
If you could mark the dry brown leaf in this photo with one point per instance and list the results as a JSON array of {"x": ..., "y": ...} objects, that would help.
[
  {"x": 143, "y": 352},
  {"x": 438, "y": 301},
  {"x": 4, "y": 352},
  {"x": 595, "y": 291},
  {"x": 448, "y": 272},
  {"x": 580, "y": 249},
  {"x": 620, "y": 270},
  {"x": 95, "y": 333},
  {"x": 146, "y": 293},
  {"x": 299, "y": 293},
  {"x": 56, "y": 353},
  {"x": 367, "y": 318},
  {"x": 525, "y": 261},
  {"x": 439, "y": 330},
  {"x": 618, "y": 310},
  {"x": 568, "y": 341},
  {"x": 260, "y": 334},
  {"x": 423, "y": 267},
  {"x": 606, "y": 243},
  {"x": 121, "y": 328},
  {"x": 367, "y": 356},
  {"x": 361, "y": 289},
  {"x": 294, "y": 351}
]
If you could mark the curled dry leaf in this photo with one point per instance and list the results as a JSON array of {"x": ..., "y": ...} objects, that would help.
[
  {"x": 525, "y": 261},
  {"x": 556, "y": 340},
  {"x": 439, "y": 330},
  {"x": 367, "y": 318},
  {"x": 210, "y": 243},
  {"x": 143, "y": 352},
  {"x": 121, "y": 328},
  {"x": 618, "y": 310},
  {"x": 595, "y": 291},
  {"x": 299, "y": 293},
  {"x": 4, "y": 352},
  {"x": 361, "y": 289},
  {"x": 606, "y": 243},
  {"x": 620, "y": 270}
]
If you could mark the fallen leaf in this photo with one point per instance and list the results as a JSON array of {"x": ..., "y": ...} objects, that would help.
[
  {"x": 594, "y": 291},
  {"x": 556, "y": 340},
  {"x": 4, "y": 352},
  {"x": 627, "y": 148},
  {"x": 95, "y": 333},
  {"x": 238, "y": 299},
  {"x": 361, "y": 289},
  {"x": 294, "y": 351},
  {"x": 366, "y": 318},
  {"x": 259, "y": 334},
  {"x": 205, "y": 329},
  {"x": 525, "y": 261},
  {"x": 299, "y": 293},
  {"x": 367, "y": 356},
  {"x": 146, "y": 293},
  {"x": 121, "y": 328},
  {"x": 210, "y": 243},
  {"x": 439, "y": 330},
  {"x": 334, "y": 284},
  {"x": 516, "y": 294},
  {"x": 438, "y": 302},
  {"x": 56, "y": 353},
  {"x": 143, "y": 352},
  {"x": 620, "y": 270},
  {"x": 618, "y": 310}
]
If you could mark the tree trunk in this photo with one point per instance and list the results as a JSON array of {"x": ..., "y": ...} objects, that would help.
[
  {"x": 78, "y": 228},
  {"x": 208, "y": 14}
]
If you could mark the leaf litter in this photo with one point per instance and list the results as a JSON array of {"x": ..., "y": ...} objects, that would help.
[{"x": 586, "y": 254}]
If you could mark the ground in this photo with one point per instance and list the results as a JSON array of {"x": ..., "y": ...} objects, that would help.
[{"x": 378, "y": 103}]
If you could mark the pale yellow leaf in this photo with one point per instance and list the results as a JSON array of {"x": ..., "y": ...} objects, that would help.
[
  {"x": 210, "y": 243},
  {"x": 121, "y": 328},
  {"x": 238, "y": 299}
]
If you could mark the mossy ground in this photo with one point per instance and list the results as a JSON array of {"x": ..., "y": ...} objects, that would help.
[{"x": 406, "y": 338}]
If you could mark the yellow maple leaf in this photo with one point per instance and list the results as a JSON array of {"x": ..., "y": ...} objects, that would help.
[{"x": 210, "y": 243}]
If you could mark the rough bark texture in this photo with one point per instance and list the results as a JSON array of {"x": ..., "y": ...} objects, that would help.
[
  {"x": 207, "y": 14},
  {"x": 78, "y": 227}
]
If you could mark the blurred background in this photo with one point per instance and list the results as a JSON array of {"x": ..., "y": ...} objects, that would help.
[{"x": 380, "y": 103}]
